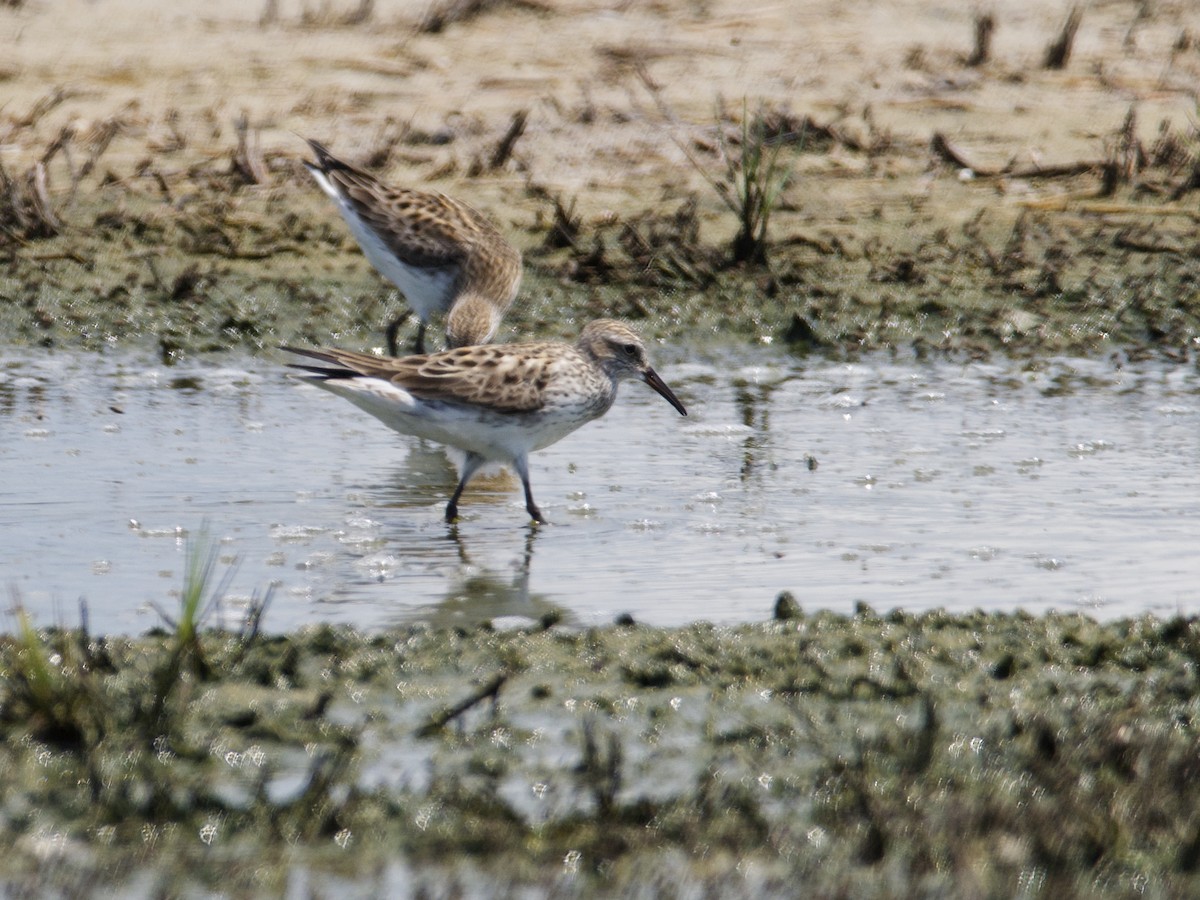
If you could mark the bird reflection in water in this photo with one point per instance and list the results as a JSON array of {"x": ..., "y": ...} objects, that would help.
[
  {"x": 484, "y": 572},
  {"x": 477, "y": 593},
  {"x": 753, "y": 401}
]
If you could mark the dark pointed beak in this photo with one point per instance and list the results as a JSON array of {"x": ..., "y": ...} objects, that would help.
[{"x": 651, "y": 378}]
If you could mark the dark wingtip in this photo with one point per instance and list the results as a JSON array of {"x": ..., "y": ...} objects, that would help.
[
  {"x": 326, "y": 161},
  {"x": 318, "y": 373},
  {"x": 319, "y": 355},
  {"x": 303, "y": 351}
]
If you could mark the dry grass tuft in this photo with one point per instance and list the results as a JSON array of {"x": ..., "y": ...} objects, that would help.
[{"x": 26, "y": 212}]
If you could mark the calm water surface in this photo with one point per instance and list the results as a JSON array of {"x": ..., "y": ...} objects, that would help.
[{"x": 1069, "y": 485}]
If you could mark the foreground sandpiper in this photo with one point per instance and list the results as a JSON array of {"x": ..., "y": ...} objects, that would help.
[
  {"x": 495, "y": 403},
  {"x": 442, "y": 254}
]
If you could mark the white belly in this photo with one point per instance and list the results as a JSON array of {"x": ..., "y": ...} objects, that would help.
[{"x": 427, "y": 290}]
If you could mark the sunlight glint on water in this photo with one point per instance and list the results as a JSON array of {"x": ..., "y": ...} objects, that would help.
[{"x": 1072, "y": 486}]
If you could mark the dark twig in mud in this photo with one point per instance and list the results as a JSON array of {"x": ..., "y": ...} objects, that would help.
[
  {"x": 70, "y": 255},
  {"x": 1126, "y": 156},
  {"x": 1126, "y": 239},
  {"x": 1189, "y": 184},
  {"x": 601, "y": 771},
  {"x": 504, "y": 148},
  {"x": 565, "y": 229},
  {"x": 450, "y": 12},
  {"x": 247, "y": 159},
  {"x": 43, "y": 106},
  {"x": 985, "y": 26},
  {"x": 1058, "y": 170},
  {"x": 943, "y": 148},
  {"x": 490, "y": 689},
  {"x": 1058, "y": 54},
  {"x": 60, "y": 144}
]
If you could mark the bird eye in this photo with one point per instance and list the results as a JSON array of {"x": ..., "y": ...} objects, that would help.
[{"x": 630, "y": 349}]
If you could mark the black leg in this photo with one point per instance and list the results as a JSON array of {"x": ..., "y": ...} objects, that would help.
[
  {"x": 393, "y": 347},
  {"x": 522, "y": 468},
  {"x": 470, "y": 466},
  {"x": 531, "y": 508},
  {"x": 419, "y": 346}
]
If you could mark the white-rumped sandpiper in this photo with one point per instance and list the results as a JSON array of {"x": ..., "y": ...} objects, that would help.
[
  {"x": 495, "y": 403},
  {"x": 443, "y": 255}
]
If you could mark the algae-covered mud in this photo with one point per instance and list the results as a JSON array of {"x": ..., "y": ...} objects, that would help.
[{"x": 899, "y": 755}]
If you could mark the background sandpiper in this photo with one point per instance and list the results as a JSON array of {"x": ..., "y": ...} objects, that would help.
[{"x": 443, "y": 255}]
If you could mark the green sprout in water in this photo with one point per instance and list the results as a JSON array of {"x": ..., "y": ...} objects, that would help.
[
  {"x": 48, "y": 687},
  {"x": 196, "y": 603},
  {"x": 36, "y": 669}
]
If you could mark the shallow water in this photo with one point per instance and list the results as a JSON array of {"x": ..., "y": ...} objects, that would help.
[{"x": 1069, "y": 485}]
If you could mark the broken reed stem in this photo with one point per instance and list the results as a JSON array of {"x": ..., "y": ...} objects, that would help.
[
  {"x": 504, "y": 148},
  {"x": 438, "y": 16},
  {"x": 41, "y": 107},
  {"x": 1058, "y": 54},
  {"x": 101, "y": 139},
  {"x": 247, "y": 159},
  {"x": 1126, "y": 158},
  {"x": 490, "y": 689},
  {"x": 985, "y": 26},
  {"x": 25, "y": 208}
]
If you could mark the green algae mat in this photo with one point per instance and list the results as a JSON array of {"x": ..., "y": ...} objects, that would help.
[{"x": 864, "y": 755}]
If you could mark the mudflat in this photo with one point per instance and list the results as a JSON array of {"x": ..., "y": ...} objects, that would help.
[{"x": 948, "y": 187}]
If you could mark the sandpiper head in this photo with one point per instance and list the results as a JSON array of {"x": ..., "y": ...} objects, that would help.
[
  {"x": 472, "y": 320},
  {"x": 618, "y": 350}
]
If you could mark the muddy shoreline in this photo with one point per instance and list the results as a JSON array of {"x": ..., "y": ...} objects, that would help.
[
  {"x": 949, "y": 207},
  {"x": 1038, "y": 287},
  {"x": 249, "y": 269},
  {"x": 928, "y": 753}
]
